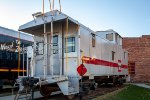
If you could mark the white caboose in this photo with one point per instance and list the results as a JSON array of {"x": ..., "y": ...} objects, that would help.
[{"x": 61, "y": 45}]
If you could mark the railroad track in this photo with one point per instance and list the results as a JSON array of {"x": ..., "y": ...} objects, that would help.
[{"x": 88, "y": 96}]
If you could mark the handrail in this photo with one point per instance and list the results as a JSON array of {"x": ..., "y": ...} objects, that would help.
[
  {"x": 66, "y": 45},
  {"x": 19, "y": 53}
]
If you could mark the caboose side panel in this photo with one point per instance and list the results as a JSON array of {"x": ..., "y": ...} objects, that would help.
[{"x": 103, "y": 56}]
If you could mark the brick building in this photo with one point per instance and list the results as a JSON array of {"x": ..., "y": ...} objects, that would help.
[{"x": 139, "y": 57}]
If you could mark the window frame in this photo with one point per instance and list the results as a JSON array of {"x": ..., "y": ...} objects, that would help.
[
  {"x": 37, "y": 48},
  {"x": 113, "y": 55},
  {"x": 55, "y": 44},
  {"x": 93, "y": 40},
  {"x": 73, "y": 43},
  {"x": 124, "y": 55},
  {"x": 108, "y": 37}
]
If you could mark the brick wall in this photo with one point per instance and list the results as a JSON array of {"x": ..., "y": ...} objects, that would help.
[{"x": 139, "y": 52}]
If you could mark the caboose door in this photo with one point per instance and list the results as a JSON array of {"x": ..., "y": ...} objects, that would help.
[{"x": 56, "y": 55}]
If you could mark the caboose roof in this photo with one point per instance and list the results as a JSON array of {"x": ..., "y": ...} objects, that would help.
[
  {"x": 109, "y": 31},
  {"x": 46, "y": 19}
]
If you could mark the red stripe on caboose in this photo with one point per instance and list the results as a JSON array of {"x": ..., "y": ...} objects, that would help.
[{"x": 89, "y": 60}]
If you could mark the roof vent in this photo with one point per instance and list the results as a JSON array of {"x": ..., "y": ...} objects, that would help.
[{"x": 38, "y": 14}]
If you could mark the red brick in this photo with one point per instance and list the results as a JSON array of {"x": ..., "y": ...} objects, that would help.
[{"x": 139, "y": 52}]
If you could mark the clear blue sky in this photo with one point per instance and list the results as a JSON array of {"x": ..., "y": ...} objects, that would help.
[{"x": 130, "y": 18}]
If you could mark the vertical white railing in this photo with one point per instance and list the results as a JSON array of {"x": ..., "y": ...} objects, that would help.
[
  {"x": 51, "y": 36},
  {"x": 23, "y": 59},
  {"x": 45, "y": 51}
]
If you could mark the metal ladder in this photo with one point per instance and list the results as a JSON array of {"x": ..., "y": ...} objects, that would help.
[{"x": 25, "y": 94}]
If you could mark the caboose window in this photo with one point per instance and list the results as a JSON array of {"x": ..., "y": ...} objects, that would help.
[
  {"x": 124, "y": 55},
  {"x": 39, "y": 48},
  {"x": 93, "y": 40},
  {"x": 16, "y": 56},
  {"x": 113, "y": 55},
  {"x": 70, "y": 44},
  {"x": 109, "y": 37},
  {"x": 55, "y": 44},
  {"x": 1, "y": 55}
]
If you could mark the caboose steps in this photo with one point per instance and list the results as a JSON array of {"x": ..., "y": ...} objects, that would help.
[
  {"x": 67, "y": 89},
  {"x": 56, "y": 78}
]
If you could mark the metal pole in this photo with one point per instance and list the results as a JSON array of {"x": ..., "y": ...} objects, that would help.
[
  {"x": 60, "y": 5},
  {"x": 62, "y": 49},
  {"x": 27, "y": 66},
  {"x": 51, "y": 57},
  {"x": 43, "y": 8},
  {"x": 78, "y": 47},
  {"x": 23, "y": 59},
  {"x": 81, "y": 91},
  {"x": 67, "y": 45},
  {"x": 19, "y": 53},
  {"x": 53, "y": 5},
  {"x": 51, "y": 39},
  {"x": 50, "y": 5},
  {"x": 45, "y": 53}
]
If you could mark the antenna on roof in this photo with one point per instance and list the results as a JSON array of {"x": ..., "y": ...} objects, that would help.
[
  {"x": 43, "y": 8},
  {"x": 52, "y": 5},
  {"x": 60, "y": 5}
]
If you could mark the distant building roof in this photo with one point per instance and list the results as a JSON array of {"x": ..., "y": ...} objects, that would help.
[{"x": 15, "y": 34}]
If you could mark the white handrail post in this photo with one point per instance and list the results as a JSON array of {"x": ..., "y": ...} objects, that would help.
[
  {"x": 23, "y": 58},
  {"x": 45, "y": 53},
  {"x": 51, "y": 57}
]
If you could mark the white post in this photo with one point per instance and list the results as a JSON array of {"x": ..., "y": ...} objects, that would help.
[
  {"x": 23, "y": 59},
  {"x": 27, "y": 69},
  {"x": 53, "y": 5},
  {"x": 45, "y": 51},
  {"x": 78, "y": 47},
  {"x": 51, "y": 49}
]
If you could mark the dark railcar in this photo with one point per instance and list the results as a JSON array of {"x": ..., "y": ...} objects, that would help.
[{"x": 9, "y": 54}]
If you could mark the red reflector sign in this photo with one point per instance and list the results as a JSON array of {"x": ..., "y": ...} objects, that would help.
[{"x": 81, "y": 70}]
